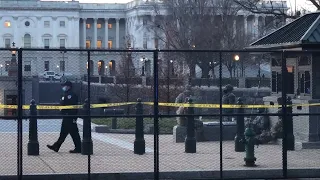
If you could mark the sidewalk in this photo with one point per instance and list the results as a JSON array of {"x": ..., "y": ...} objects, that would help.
[{"x": 113, "y": 153}]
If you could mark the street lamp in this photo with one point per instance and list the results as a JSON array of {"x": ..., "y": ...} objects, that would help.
[
  {"x": 143, "y": 60},
  {"x": 63, "y": 65},
  {"x": 106, "y": 70},
  {"x": 1, "y": 66},
  {"x": 172, "y": 69},
  {"x": 13, "y": 68},
  {"x": 236, "y": 57}
]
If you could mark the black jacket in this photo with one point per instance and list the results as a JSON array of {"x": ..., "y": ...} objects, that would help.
[{"x": 69, "y": 98}]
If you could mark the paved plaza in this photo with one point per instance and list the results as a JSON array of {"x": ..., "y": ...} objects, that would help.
[{"x": 113, "y": 153}]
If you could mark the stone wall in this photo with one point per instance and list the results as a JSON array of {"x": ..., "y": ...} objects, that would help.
[
  {"x": 305, "y": 128},
  {"x": 9, "y": 86}
]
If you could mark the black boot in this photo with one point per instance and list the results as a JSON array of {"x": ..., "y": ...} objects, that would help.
[
  {"x": 76, "y": 150},
  {"x": 53, "y": 148}
]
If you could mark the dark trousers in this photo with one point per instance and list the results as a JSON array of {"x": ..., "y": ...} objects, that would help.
[{"x": 69, "y": 126}]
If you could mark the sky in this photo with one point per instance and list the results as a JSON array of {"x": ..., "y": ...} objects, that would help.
[{"x": 291, "y": 3}]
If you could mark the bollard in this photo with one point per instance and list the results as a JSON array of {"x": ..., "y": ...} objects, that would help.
[
  {"x": 190, "y": 141},
  {"x": 86, "y": 144},
  {"x": 239, "y": 146},
  {"x": 33, "y": 144},
  {"x": 139, "y": 142},
  {"x": 249, "y": 142},
  {"x": 289, "y": 125}
]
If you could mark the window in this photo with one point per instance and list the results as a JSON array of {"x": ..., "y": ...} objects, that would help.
[
  {"x": 27, "y": 41},
  {"x": 7, "y": 65},
  {"x": 101, "y": 67},
  {"x": 7, "y": 43},
  {"x": 304, "y": 81},
  {"x": 62, "y": 43},
  {"x": 46, "y": 43},
  {"x": 46, "y": 24},
  {"x": 62, "y": 24},
  {"x": 110, "y": 26},
  {"x": 88, "y": 44},
  {"x": 99, "y": 44},
  {"x": 62, "y": 66},
  {"x": 7, "y": 24},
  {"x": 156, "y": 43},
  {"x": 145, "y": 43},
  {"x": 46, "y": 65},
  {"x": 99, "y": 26},
  {"x": 145, "y": 21},
  {"x": 27, "y": 23},
  {"x": 27, "y": 66},
  {"x": 110, "y": 44},
  {"x": 88, "y": 26},
  {"x": 276, "y": 82},
  {"x": 275, "y": 62},
  {"x": 304, "y": 61}
]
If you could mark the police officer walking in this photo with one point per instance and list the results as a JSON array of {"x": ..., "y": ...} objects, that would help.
[{"x": 69, "y": 124}]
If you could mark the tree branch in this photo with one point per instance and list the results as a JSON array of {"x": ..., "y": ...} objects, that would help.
[
  {"x": 253, "y": 8},
  {"x": 315, "y": 4}
]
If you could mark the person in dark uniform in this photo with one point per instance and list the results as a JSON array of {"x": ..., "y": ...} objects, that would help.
[{"x": 69, "y": 124}]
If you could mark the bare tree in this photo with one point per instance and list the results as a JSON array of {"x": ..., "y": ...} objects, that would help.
[
  {"x": 275, "y": 8},
  {"x": 205, "y": 24},
  {"x": 126, "y": 76}
]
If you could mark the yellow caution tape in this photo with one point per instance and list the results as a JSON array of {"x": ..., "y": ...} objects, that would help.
[
  {"x": 207, "y": 106},
  {"x": 110, "y": 105}
]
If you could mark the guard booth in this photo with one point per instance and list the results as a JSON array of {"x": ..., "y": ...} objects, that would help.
[{"x": 303, "y": 77}]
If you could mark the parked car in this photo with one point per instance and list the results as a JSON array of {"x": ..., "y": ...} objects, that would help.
[{"x": 51, "y": 75}]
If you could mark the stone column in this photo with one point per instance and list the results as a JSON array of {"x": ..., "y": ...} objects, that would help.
[
  {"x": 256, "y": 25},
  {"x": 117, "y": 33},
  {"x": 245, "y": 24},
  {"x": 95, "y": 33},
  {"x": 84, "y": 29},
  {"x": 106, "y": 32},
  {"x": 153, "y": 19}
]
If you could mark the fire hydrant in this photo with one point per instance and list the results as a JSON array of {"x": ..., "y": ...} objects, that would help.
[{"x": 249, "y": 142}]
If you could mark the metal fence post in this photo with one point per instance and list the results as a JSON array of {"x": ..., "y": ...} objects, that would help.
[
  {"x": 190, "y": 141},
  {"x": 86, "y": 145},
  {"x": 284, "y": 114},
  {"x": 33, "y": 144},
  {"x": 289, "y": 123},
  {"x": 239, "y": 146},
  {"x": 139, "y": 142}
]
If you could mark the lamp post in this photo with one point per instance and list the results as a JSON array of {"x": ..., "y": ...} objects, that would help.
[
  {"x": 13, "y": 68},
  {"x": 236, "y": 59},
  {"x": 143, "y": 60},
  {"x": 63, "y": 67},
  {"x": 1, "y": 66},
  {"x": 172, "y": 69}
]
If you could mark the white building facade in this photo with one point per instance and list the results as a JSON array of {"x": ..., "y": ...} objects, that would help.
[{"x": 44, "y": 24}]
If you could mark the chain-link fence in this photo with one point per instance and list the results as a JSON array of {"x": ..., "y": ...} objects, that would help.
[{"x": 159, "y": 114}]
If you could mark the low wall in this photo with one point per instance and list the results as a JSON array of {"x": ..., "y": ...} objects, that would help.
[{"x": 123, "y": 93}]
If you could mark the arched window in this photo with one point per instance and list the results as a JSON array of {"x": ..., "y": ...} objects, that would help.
[
  {"x": 91, "y": 67},
  {"x": 27, "y": 41},
  {"x": 112, "y": 68},
  {"x": 101, "y": 67},
  {"x": 148, "y": 68}
]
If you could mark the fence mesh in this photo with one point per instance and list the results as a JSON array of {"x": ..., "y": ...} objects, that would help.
[
  {"x": 44, "y": 72},
  {"x": 8, "y": 127},
  {"x": 128, "y": 78}
]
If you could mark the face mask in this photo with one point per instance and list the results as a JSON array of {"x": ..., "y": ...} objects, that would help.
[{"x": 64, "y": 88}]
